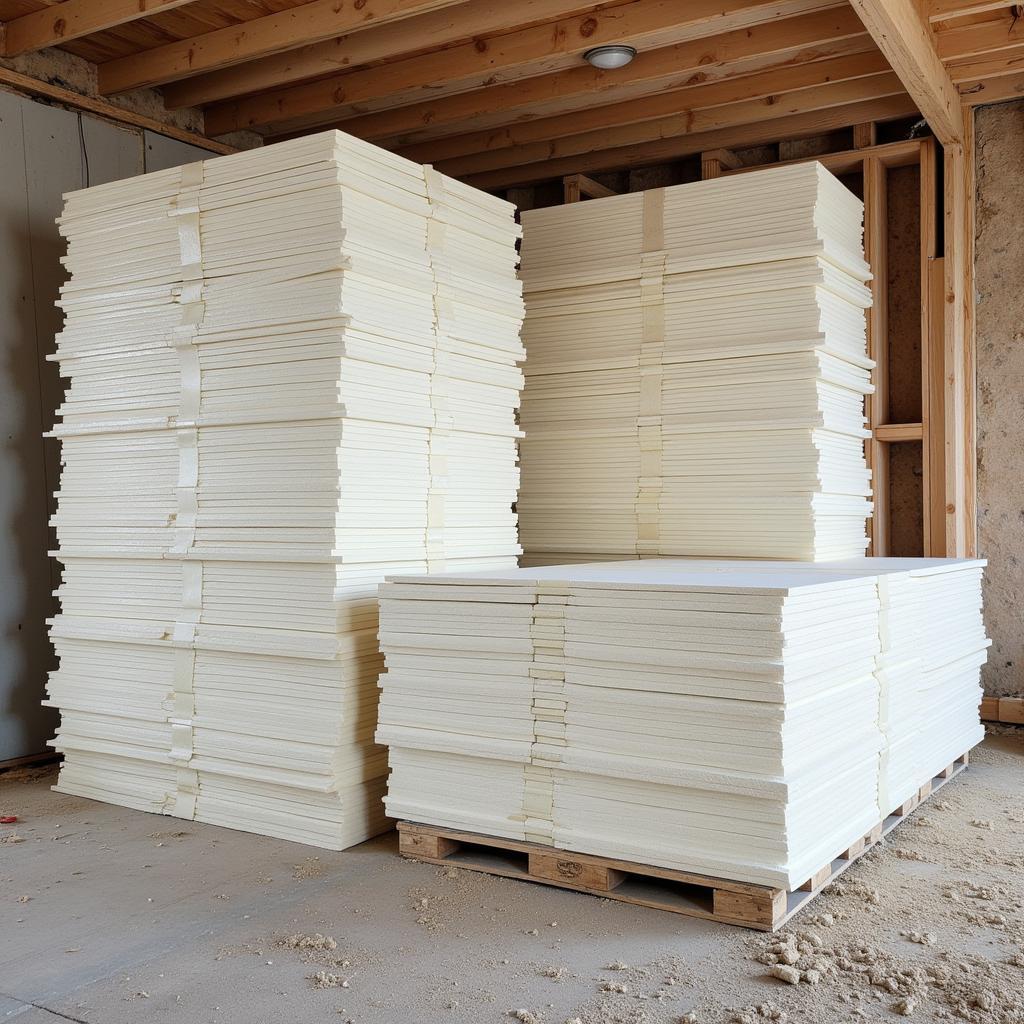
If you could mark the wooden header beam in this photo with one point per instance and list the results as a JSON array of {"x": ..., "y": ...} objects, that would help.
[
  {"x": 905, "y": 37},
  {"x": 76, "y": 18}
]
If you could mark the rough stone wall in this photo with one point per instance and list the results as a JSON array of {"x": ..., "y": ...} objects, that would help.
[{"x": 999, "y": 282}]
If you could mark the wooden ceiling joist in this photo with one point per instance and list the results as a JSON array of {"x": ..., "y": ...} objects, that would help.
[
  {"x": 684, "y": 122},
  {"x": 74, "y": 19},
  {"x": 820, "y": 35},
  {"x": 274, "y": 33},
  {"x": 1005, "y": 62},
  {"x": 422, "y": 33},
  {"x": 905, "y": 37},
  {"x": 974, "y": 93},
  {"x": 536, "y": 50},
  {"x": 495, "y": 90},
  {"x": 943, "y": 10},
  {"x": 697, "y": 108},
  {"x": 981, "y": 39},
  {"x": 792, "y": 126}
]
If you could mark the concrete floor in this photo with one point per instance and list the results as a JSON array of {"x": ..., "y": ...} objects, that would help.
[{"x": 110, "y": 915}]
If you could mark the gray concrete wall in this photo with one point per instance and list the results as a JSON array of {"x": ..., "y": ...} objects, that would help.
[
  {"x": 44, "y": 152},
  {"x": 999, "y": 283}
]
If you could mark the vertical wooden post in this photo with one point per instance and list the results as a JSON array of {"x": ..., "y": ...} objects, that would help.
[
  {"x": 932, "y": 359},
  {"x": 959, "y": 369},
  {"x": 877, "y": 405},
  {"x": 864, "y": 135},
  {"x": 576, "y": 186},
  {"x": 715, "y": 160}
]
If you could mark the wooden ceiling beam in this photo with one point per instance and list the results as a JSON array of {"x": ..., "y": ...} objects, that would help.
[
  {"x": 274, "y": 33},
  {"x": 792, "y": 126},
  {"x": 907, "y": 40},
  {"x": 1003, "y": 62},
  {"x": 488, "y": 61},
  {"x": 684, "y": 122},
  {"x": 943, "y": 10},
  {"x": 806, "y": 37},
  {"x": 981, "y": 39},
  {"x": 974, "y": 93},
  {"x": 424, "y": 32},
  {"x": 63, "y": 22},
  {"x": 685, "y": 110}
]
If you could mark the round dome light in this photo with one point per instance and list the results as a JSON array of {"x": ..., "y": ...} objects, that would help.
[{"x": 607, "y": 58}]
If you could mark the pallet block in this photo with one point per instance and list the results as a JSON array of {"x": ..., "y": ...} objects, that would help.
[
  {"x": 1009, "y": 710},
  {"x": 724, "y": 900}
]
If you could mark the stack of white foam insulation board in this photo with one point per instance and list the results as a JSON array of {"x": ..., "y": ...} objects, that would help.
[
  {"x": 733, "y": 719},
  {"x": 696, "y": 370},
  {"x": 292, "y": 372}
]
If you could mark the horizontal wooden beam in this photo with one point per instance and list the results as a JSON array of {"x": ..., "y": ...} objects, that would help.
[
  {"x": 815, "y": 36},
  {"x": 905, "y": 37},
  {"x": 1003, "y": 62},
  {"x": 537, "y": 50},
  {"x": 411, "y": 35},
  {"x": 943, "y": 10},
  {"x": 60, "y": 23},
  {"x": 904, "y": 153},
  {"x": 261, "y": 37},
  {"x": 974, "y": 93},
  {"x": 981, "y": 39},
  {"x": 687, "y": 104},
  {"x": 893, "y": 432},
  {"x": 660, "y": 150},
  {"x": 66, "y": 97},
  {"x": 669, "y": 115}
]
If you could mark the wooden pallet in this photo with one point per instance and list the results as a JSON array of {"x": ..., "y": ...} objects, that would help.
[
  {"x": 1003, "y": 709},
  {"x": 681, "y": 892}
]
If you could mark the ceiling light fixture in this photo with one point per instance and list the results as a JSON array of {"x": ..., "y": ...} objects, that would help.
[{"x": 607, "y": 58}]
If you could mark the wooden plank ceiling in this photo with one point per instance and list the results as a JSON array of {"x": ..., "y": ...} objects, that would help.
[{"x": 498, "y": 93}]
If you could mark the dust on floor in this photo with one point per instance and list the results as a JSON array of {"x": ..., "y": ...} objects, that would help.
[{"x": 111, "y": 915}]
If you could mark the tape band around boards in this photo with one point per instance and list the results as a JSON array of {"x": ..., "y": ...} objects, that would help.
[
  {"x": 547, "y": 709},
  {"x": 186, "y": 214},
  {"x": 651, "y": 361}
]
